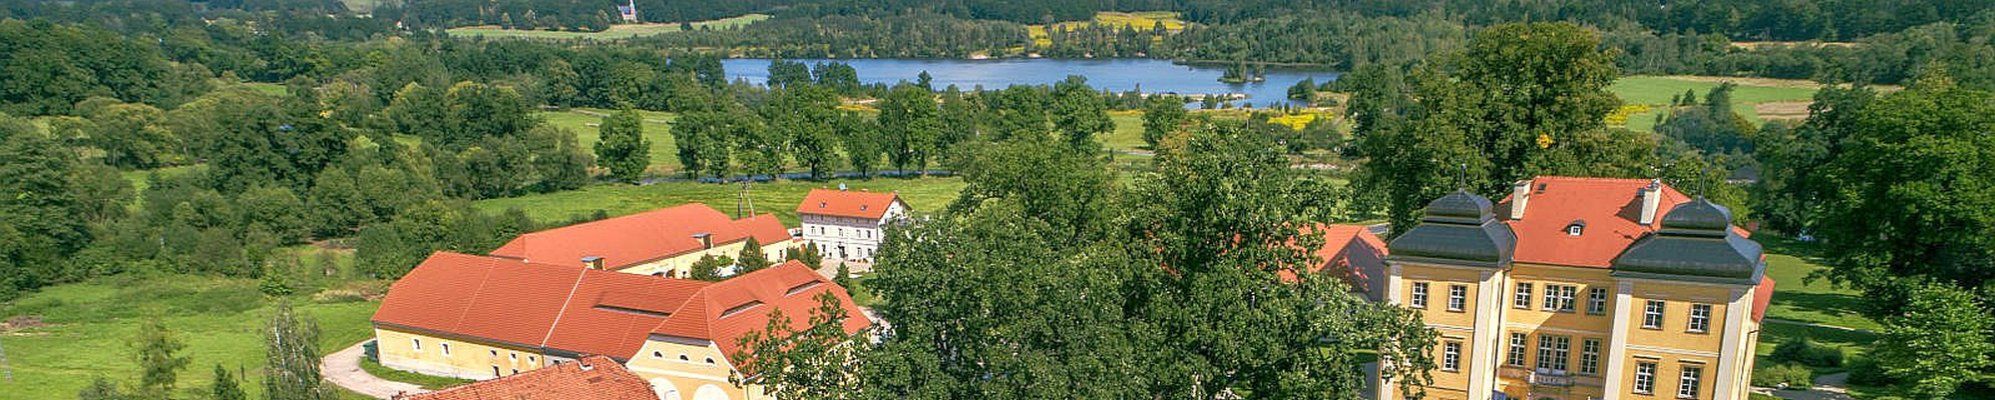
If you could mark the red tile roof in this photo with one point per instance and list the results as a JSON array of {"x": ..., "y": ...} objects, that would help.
[
  {"x": 589, "y": 311},
  {"x": 594, "y": 378},
  {"x": 730, "y": 309},
  {"x": 1762, "y": 297},
  {"x": 1354, "y": 251},
  {"x": 561, "y": 307},
  {"x": 1610, "y": 208},
  {"x": 846, "y": 203},
  {"x": 643, "y": 237}
]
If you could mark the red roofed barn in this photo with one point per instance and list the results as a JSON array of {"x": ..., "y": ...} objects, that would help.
[
  {"x": 484, "y": 317},
  {"x": 662, "y": 242}
]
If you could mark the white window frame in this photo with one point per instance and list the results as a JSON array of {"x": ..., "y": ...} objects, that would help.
[
  {"x": 1652, "y": 314},
  {"x": 1559, "y": 298},
  {"x": 1589, "y": 356},
  {"x": 1596, "y": 301},
  {"x": 1523, "y": 298},
  {"x": 1518, "y": 342},
  {"x": 1458, "y": 297},
  {"x": 1700, "y": 318},
  {"x": 1690, "y": 382},
  {"x": 1451, "y": 355},
  {"x": 1553, "y": 352},
  {"x": 1645, "y": 378},
  {"x": 1418, "y": 297}
]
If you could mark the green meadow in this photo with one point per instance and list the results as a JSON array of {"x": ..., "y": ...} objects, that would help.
[
  {"x": 587, "y": 124},
  {"x": 780, "y": 198},
  {"x": 74, "y": 333},
  {"x": 1656, "y": 91}
]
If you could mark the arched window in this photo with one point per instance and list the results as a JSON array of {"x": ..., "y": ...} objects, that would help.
[{"x": 665, "y": 389}]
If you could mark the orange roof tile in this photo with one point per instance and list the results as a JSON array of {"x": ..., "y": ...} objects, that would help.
[
  {"x": 846, "y": 203},
  {"x": 595, "y": 378},
  {"x": 643, "y": 237},
  {"x": 1609, "y": 208},
  {"x": 727, "y": 310},
  {"x": 557, "y": 307},
  {"x": 1341, "y": 245},
  {"x": 1762, "y": 297},
  {"x": 589, "y": 311}
]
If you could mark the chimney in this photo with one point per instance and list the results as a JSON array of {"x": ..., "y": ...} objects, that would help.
[
  {"x": 706, "y": 240},
  {"x": 1520, "y": 194},
  {"x": 592, "y": 262},
  {"x": 1651, "y": 202}
]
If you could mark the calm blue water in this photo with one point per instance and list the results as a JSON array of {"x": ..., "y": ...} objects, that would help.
[{"x": 1152, "y": 76}]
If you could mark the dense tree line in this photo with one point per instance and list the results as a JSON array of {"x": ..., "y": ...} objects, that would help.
[
  {"x": 1896, "y": 187},
  {"x": 1134, "y": 292}
]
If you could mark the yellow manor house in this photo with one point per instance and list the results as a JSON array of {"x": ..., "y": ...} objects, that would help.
[{"x": 1580, "y": 289}]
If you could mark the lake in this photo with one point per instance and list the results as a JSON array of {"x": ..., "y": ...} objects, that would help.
[{"x": 1122, "y": 74}]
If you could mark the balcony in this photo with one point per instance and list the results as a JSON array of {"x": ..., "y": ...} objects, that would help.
[{"x": 1549, "y": 378}]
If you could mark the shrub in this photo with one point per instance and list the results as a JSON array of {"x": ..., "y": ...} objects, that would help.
[
  {"x": 1807, "y": 352},
  {"x": 1865, "y": 371},
  {"x": 1788, "y": 375}
]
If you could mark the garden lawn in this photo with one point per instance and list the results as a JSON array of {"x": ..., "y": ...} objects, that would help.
[
  {"x": 1128, "y": 133},
  {"x": 587, "y": 124},
  {"x": 780, "y": 198},
  {"x": 90, "y": 326},
  {"x": 1797, "y": 303},
  {"x": 1657, "y": 91},
  {"x": 618, "y": 31}
]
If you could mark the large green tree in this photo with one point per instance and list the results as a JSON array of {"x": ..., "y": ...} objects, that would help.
[
  {"x": 1520, "y": 100},
  {"x": 1942, "y": 339},
  {"x": 622, "y": 147},
  {"x": 999, "y": 297},
  {"x": 1079, "y": 112},
  {"x": 1162, "y": 115},
  {"x": 910, "y": 121}
]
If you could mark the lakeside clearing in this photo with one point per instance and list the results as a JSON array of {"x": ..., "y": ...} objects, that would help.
[{"x": 618, "y": 31}]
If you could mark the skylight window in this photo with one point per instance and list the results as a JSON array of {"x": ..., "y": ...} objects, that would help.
[
  {"x": 802, "y": 287},
  {"x": 1576, "y": 228},
  {"x": 738, "y": 309}
]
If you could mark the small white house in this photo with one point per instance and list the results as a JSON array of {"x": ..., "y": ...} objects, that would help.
[{"x": 846, "y": 225}]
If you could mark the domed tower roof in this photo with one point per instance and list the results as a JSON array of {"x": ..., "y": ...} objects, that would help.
[
  {"x": 1696, "y": 244},
  {"x": 1457, "y": 229}
]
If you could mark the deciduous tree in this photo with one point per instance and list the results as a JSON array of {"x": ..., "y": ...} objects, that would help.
[{"x": 622, "y": 147}]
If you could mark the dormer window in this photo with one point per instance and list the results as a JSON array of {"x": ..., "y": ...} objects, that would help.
[{"x": 1575, "y": 228}]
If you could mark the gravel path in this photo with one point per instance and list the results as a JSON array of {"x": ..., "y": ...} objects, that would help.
[{"x": 343, "y": 369}]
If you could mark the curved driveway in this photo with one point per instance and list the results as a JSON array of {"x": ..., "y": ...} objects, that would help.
[{"x": 342, "y": 368}]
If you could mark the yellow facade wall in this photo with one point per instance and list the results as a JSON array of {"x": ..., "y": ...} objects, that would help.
[
  {"x": 682, "y": 265},
  {"x": 1452, "y": 325},
  {"x": 695, "y": 370},
  {"x": 1677, "y": 300},
  {"x": 465, "y": 359}
]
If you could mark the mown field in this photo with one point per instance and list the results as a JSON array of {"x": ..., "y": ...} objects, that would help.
[
  {"x": 1656, "y": 91},
  {"x": 1138, "y": 20},
  {"x": 587, "y": 124},
  {"x": 619, "y": 31},
  {"x": 84, "y": 331},
  {"x": 780, "y": 198}
]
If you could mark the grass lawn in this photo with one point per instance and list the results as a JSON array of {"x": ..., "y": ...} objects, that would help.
[
  {"x": 1128, "y": 133},
  {"x": 1657, "y": 90},
  {"x": 586, "y": 122},
  {"x": 619, "y": 31},
  {"x": 780, "y": 198},
  {"x": 89, "y": 326},
  {"x": 426, "y": 381}
]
